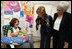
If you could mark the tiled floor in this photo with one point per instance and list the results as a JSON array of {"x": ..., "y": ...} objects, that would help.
[{"x": 37, "y": 44}]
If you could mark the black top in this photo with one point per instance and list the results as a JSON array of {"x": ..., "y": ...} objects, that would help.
[
  {"x": 65, "y": 26},
  {"x": 46, "y": 24}
]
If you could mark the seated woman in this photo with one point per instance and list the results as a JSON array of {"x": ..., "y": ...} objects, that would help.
[{"x": 14, "y": 29}]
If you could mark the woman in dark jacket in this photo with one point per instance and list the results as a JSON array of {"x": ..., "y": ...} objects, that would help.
[
  {"x": 62, "y": 27},
  {"x": 46, "y": 27}
]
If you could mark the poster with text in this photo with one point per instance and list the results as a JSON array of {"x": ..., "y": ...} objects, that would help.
[{"x": 11, "y": 5}]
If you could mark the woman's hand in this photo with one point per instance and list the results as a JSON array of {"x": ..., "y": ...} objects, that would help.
[
  {"x": 9, "y": 33},
  {"x": 66, "y": 44},
  {"x": 14, "y": 34},
  {"x": 24, "y": 31},
  {"x": 19, "y": 31}
]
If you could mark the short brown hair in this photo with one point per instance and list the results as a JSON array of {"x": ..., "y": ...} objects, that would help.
[
  {"x": 41, "y": 10},
  {"x": 13, "y": 21}
]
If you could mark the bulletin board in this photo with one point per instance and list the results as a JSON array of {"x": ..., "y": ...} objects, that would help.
[
  {"x": 25, "y": 11},
  {"x": 22, "y": 10}
]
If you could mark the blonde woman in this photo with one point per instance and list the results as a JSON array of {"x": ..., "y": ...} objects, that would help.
[{"x": 46, "y": 27}]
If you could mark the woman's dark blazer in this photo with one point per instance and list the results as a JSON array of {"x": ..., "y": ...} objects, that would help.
[{"x": 65, "y": 26}]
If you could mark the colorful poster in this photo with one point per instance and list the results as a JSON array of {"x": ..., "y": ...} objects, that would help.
[
  {"x": 6, "y": 7},
  {"x": 1, "y": 8},
  {"x": 28, "y": 7},
  {"x": 21, "y": 13},
  {"x": 22, "y": 5},
  {"x": 11, "y": 5},
  {"x": 8, "y": 12},
  {"x": 1, "y": 5},
  {"x": 2, "y": 21},
  {"x": 29, "y": 18}
]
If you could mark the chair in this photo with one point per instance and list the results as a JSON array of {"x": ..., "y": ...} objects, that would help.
[{"x": 5, "y": 30}]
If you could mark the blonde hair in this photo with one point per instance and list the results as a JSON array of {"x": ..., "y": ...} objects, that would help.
[{"x": 41, "y": 10}]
